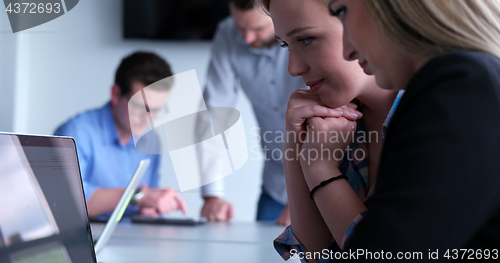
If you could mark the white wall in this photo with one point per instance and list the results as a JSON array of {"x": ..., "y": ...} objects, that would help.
[
  {"x": 51, "y": 72},
  {"x": 7, "y": 78}
]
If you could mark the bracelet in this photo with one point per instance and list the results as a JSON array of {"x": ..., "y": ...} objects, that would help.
[{"x": 325, "y": 182}]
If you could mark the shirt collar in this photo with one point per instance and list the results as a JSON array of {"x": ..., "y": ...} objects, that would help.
[{"x": 391, "y": 112}]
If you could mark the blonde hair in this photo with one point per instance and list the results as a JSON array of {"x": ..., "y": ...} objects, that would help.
[{"x": 431, "y": 27}]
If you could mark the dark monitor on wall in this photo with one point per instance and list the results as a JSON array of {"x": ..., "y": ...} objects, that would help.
[{"x": 172, "y": 19}]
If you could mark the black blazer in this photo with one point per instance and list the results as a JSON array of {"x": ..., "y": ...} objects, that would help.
[{"x": 438, "y": 184}]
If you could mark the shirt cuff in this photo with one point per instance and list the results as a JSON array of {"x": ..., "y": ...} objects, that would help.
[
  {"x": 287, "y": 241},
  {"x": 215, "y": 189},
  {"x": 350, "y": 229}
]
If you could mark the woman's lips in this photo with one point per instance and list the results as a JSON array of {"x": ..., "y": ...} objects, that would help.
[{"x": 315, "y": 85}]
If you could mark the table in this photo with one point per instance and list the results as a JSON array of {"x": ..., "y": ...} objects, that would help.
[{"x": 211, "y": 242}]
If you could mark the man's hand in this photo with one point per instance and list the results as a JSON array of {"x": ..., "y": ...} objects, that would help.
[
  {"x": 217, "y": 209},
  {"x": 157, "y": 201},
  {"x": 284, "y": 219}
]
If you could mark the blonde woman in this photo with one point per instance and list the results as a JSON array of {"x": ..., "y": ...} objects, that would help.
[
  {"x": 438, "y": 186},
  {"x": 438, "y": 183}
]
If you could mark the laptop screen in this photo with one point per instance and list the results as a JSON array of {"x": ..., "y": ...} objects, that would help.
[{"x": 43, "y": 216}]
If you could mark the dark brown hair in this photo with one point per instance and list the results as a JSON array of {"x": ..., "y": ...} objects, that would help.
[{"x": 144, "y": 67}]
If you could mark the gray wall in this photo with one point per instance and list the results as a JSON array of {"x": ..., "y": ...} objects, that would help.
[{"x": 51, "y": 72}]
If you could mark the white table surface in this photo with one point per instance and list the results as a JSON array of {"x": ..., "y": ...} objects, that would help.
[{"x": 211, "y": 242}]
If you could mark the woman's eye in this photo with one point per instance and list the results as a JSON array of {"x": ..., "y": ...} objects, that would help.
[
  {"x": 340, "y": 13},
  {"x": 284, "y": 45},
  {"x": 306, "y": 40}
]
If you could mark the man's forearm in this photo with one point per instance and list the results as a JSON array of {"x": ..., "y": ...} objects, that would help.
[{"x": 103, "y": 201}]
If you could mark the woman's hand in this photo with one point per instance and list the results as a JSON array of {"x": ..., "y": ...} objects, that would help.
[
  {"x": 326, "y": 145},
  {"x": 305, "y": 104},
  {"x": 308, "y": 224}
]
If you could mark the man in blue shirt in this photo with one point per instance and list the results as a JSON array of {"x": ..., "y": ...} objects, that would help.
[
  {"x": 106, "y": 150},
  {"x": 246, "y": 56}
]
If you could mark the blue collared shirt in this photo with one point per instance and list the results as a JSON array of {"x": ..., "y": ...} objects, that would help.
[{"x": 104, "y": 161}]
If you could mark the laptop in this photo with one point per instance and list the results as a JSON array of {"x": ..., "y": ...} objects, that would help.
[{"x": 43, "y": 211}]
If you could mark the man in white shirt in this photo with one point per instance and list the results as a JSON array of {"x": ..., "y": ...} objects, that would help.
[{"x": 245, "y": 52}]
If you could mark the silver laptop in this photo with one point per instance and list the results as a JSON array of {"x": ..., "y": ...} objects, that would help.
[{"x": 44, "y": 215}]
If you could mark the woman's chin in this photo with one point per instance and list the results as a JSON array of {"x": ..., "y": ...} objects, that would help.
[
  {"x": 383, "y": 82},
  {"x": 333, "y": 103}
]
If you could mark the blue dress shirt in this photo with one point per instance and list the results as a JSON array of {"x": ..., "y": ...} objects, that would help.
[{"x": 104, "y": 161}]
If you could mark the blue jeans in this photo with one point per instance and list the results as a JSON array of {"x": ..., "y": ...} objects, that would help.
[{"x": 268, "y": 209}]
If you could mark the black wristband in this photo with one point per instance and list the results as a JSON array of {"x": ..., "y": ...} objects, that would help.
[{"x": 325, "y": 182}]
